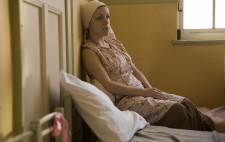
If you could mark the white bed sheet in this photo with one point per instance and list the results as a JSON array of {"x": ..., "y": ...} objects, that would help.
[{"x": 164, "y": 134}]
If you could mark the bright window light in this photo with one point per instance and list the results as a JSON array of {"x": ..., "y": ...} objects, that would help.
[
  {"x": 198, "y": 14},
  {"x": 220, "y": 14}
]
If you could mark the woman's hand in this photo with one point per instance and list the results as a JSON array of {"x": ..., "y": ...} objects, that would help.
[{"x": 155, "y": 93}]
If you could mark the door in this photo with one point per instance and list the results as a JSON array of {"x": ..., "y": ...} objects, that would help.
[{"x": 42, "y": 34}]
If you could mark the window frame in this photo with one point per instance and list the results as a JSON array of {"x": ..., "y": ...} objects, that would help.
[{"x": 198, "y": 34}]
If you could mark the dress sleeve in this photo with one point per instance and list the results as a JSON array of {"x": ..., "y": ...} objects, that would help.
[{"x": 92, "y": 47}]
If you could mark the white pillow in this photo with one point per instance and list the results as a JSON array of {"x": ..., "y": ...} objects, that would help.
[{"x": 106, "y": 121}]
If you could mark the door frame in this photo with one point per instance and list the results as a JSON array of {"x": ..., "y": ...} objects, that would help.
[
  {"x": 16, "y": 46},
  {"x": 17, "y": 115},
  {"x": 69, "y": 36}
]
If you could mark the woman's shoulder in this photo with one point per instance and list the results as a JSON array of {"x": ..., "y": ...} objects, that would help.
[{"x": 88, "y": 44}]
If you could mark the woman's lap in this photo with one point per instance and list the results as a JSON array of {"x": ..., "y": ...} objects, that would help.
[
  {"x": 151, "y": 109},
  {"x": 178, "y": 112}
]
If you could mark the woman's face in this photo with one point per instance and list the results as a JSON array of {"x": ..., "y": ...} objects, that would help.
[{"x": 100, "y": 23}]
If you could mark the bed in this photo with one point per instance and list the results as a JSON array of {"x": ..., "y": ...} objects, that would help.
[
  {"x": 41, "y": 130},
  {"x": 93, "y": 117}
]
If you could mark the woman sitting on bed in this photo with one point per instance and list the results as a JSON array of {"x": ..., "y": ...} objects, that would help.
[{"x": 106, "y": 60}]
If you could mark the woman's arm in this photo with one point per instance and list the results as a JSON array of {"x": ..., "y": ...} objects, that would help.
[
  {"x": 92, "y": 64},
  {"x": 94, "y": 68},
  {"x": 140, "y": 76}
]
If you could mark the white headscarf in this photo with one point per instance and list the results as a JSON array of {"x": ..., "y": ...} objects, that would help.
[{"x": 87, "y": 11}]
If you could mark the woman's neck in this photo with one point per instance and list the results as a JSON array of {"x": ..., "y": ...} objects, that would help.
[{"x": 99, "y": 41}]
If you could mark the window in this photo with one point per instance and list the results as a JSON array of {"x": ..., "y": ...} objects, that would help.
[{"x": 201, "y": 19}]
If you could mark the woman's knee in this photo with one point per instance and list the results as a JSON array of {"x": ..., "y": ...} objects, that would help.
[
  {"x": 179, "y": 111},
  {"x": 187, "y": 102},
  {"x": 176, "y": 117}
]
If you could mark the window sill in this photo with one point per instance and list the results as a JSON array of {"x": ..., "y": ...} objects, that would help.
[
  {"x": 198, "y": 41},
  {"x": 116, "y": 2}
]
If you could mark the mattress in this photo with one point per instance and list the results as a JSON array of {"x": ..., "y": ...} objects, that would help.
[{"x": 164, "y": 134}]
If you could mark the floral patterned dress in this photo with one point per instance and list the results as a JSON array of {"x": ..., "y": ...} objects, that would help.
[{"x": 118, "y": 65}]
